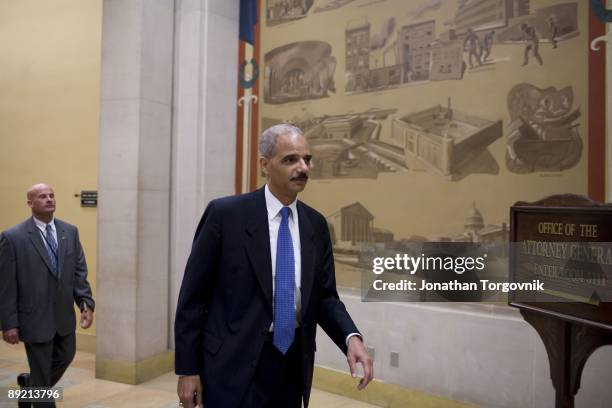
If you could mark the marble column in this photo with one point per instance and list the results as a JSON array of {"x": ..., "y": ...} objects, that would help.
[
  {"x": 167, "y": 147},
  {"x": 204, "y": 121},
  {"x": 134, "y": 190}
]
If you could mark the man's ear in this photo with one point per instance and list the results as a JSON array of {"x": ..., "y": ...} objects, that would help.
[
  {"x": 263, "y": 165},
  {"x": 30, "y": 203}
]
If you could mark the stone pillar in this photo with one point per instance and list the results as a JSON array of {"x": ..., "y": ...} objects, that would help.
[
  {"x": 204, "y": 121},
  {"x": 167, "y": 147},
  {"x": 134, "y": 189}
]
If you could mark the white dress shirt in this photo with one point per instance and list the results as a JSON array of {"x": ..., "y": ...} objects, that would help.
[
  {"x": 273, "y": 205},
  {"x": 42, "y": 227}
]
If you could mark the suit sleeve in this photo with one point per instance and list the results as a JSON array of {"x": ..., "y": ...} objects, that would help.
[
  {"x": 333, "y": 316},
  {"x": 8, "y": 285},
  {"x": 82, "y": 290},
  {"x": 197, "y": 287}
]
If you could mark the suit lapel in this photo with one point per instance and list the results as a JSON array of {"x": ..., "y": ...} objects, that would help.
[
  {"x": 258, "y": 243},
  {"x": 61, "y": 245},
  {"x": 307, "y": 255},
  {"x": 38, "y": 243}
]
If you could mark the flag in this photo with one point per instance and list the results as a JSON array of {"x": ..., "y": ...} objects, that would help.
[{"x": 248, "y": 19}]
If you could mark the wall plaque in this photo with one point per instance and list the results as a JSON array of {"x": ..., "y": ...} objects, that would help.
[
  {"x": 89, "y": 198},
  {"x": 564, "y": 241}
]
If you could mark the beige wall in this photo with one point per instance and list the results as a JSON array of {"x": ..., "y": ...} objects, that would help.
[{"x": 49, "y": 108}]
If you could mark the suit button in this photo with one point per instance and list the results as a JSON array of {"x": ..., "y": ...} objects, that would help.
[{"x": 254, "y": 363}]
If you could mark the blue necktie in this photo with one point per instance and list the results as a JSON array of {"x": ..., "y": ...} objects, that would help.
[
  {"x": 51, "y": 248},
  {"x": 284, "y": 286}
]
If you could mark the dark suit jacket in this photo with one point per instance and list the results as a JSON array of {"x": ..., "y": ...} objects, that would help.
[
  {"x": 225, "y": 306},
  {"x": 32, "y": 298}
]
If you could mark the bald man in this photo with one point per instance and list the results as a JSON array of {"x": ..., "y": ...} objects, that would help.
[{"x": 42, "y": 272}]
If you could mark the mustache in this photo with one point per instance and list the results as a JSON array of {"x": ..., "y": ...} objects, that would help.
[{"x": 300, "y": 177}]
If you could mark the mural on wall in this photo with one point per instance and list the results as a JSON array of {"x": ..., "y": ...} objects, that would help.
[
  {"x": 440, "y": 139},
  {"x": 354, "y": 233},
  {"x": 299, "y": 71},
  {"x": 447, "y": 141},
  {"x": 415, "y": 109},
  {"x": 283, "y": 11},
  {"x": 349, "y": 145},
  {"x": 542, "y": 134},
  {"x": 415, "y": 52}
]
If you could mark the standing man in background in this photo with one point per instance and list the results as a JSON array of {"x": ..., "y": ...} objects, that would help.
[
  {"x": 259, "y": 280},
  {"x": 42, "y": 272}
]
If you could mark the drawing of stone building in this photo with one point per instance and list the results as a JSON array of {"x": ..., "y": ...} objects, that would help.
[
  {"x": 444, "y": 139},
  {"x": 517, "y": 8},
  {"x": 357, "y": 55},
  {"x": 488, "y": 14},
  {"x": 475, "y": 230},
  {"x": 446, "y": 59},
  {"x": 414, "y": 50},
  {"x": 349, "y": 146},
  {"x": 351, "y": 225},
  {"x": 279, "y": 11},
  {"x": 341, "y": 127}
]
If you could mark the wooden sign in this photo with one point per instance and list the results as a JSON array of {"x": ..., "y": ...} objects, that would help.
[{"x": 565, "y": 242}]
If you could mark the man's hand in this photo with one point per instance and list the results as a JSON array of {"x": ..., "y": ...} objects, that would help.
[
  {"x": 189, "y": 390},
  {"x": 86, "y": 318},
  {"x": 11, "y": 335},
  {"x": 357, "y": 354}
]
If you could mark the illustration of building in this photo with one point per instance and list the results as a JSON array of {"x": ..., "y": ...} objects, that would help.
[
  {"x": 348, "y": 145},
  {"x": 279, "y": 11},
  {"x": 357, "y": 55},
  {"x": 446, "y": 60},
  {"x": 351, "y": 225},
  {"x": 414, "y": 50},
  {"x": 444, "y": 139},
  {"x": 299, "y": 71},
  {"x": 488, "y": 14},
  {"x": 517, "y": 8},
  {"x": 475, "y": 230},
  {"x": 341, "y": 127}
]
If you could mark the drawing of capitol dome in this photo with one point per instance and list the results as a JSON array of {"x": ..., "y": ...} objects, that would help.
[{"x": 474, "y": 221}]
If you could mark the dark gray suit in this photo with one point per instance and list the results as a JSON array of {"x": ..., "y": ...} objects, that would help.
[{"x": 39, "y": 302}]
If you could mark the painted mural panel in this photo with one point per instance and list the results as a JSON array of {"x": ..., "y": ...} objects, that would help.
[{"x": 427, "y": 119}]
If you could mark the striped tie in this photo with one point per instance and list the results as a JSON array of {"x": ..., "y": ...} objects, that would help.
[
  {"x": 51, "y": 248},
  {"x": 284, "y": 287}
]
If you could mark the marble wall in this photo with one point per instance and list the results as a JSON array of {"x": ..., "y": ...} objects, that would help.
[{"x": 476, "y": 353}]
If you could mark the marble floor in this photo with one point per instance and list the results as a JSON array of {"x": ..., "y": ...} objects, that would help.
[{"x": 82, "y": 389}]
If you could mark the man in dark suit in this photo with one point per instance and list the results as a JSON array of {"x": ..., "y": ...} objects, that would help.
[
  {"x": 259, "y": 279},
  {"x": 42, "y": 272}
]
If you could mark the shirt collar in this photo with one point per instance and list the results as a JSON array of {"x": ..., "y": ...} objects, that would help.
[
  {"x": 274, "y": 205},
  {"x": 42, "y": 226}
]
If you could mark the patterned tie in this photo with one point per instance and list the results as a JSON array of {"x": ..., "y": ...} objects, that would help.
[
  {"x": 284, "y": 284},
  {"x": 51, "y": 248}
]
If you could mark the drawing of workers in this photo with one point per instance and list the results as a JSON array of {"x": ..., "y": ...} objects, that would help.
[
  {"x": 554, "y": 30},
  {"x": 487, "y": 44},
  {"x": 533, "y": 43},
  {"x": 472, "y": 45}
]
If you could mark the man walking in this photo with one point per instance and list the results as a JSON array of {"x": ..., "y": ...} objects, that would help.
[
  {"x": 42, "y": 272},
  {"x": 532, "y": 44},
  {"x": 259, "y": 280}
]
